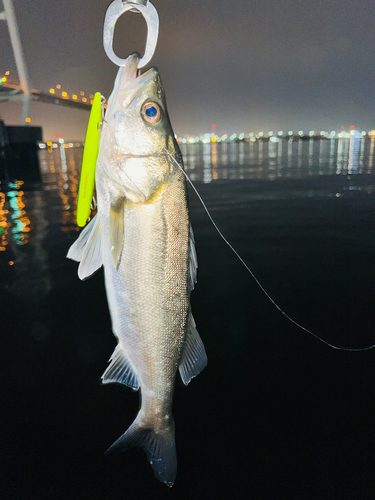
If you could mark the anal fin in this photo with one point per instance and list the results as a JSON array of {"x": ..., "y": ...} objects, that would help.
[{"x": 120, "y": 370}]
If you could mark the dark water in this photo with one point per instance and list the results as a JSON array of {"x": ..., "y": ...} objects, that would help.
[{"x": 276, "y": 414}]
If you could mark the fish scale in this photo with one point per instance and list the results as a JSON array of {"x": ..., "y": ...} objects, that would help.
[{"x": 143, "y": 238}]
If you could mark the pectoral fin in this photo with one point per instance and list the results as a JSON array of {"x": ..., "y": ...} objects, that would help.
[
  {"x": 116, "y": 229},
  {"x": 120, "y": 370},
  {"x": 194, "y": 357},
  {"x": 193, "y": 261},
  {"x": 88, "y": 249}
]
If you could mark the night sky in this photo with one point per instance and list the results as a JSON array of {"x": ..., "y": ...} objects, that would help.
[{"x": 243, "y": 65}]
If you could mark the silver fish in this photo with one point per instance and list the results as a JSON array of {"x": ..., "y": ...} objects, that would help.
[{"x": 143, "y": 238}]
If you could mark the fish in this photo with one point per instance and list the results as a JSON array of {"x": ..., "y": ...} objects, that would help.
[{"x": 142, "y": 236}]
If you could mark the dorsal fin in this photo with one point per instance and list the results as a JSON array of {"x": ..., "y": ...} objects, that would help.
[{"x": 194, "y": 357}]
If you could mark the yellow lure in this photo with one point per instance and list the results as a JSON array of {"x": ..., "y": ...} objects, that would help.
[{"x": 90, "y": 155}]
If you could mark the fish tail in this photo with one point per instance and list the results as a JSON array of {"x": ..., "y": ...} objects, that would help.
[{"x": 159, "y": 446}]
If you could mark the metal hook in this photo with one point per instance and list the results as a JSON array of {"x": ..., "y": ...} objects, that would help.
[{"x": 114, "y": 11}]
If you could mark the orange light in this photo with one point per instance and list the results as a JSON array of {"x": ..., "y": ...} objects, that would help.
[
  {"x": 4, "y": 79},
  {"x": 84, "y": 99},
  {"x": 28, "y": 120},
  {"x": 51, "y": 91},
  {"x": 91, "y": 101},
  {"x": 105, "y": 106},
  {"x": 91, "y": 96},
  {"x": 58, "y": 86},
  {"x": 64, "y": 94},
  {"x": 81, "y": 93},
  {"x": 11, "y": 263},
  {"x": 74, "y": 96},
  {"x": 7, "y": 73}
]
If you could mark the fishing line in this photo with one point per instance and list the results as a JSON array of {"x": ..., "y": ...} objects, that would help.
[{"x": 253, "y": 275}]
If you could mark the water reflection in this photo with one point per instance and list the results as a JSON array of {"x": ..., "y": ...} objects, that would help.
[
  {"x": 14, "y": 220},
  {"x": 23, "y": 219},
  {"x": 60, "y": 169},
  {"x": 275, "y": 159}
]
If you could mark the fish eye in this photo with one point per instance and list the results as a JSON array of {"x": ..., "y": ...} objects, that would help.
[{"x": 152, "y": 112}]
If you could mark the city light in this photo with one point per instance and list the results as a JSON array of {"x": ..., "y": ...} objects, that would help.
[{"x": 207, "y": 137}]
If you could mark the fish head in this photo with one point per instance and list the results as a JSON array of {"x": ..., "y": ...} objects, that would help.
[{"x": 138, "y": 134}]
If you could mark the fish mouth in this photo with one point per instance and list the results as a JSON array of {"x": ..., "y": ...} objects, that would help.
[{"x": 133, "y": 88}]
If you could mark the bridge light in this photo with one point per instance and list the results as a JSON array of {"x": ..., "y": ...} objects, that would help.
[
  {"x": 74, "y": 96},
  {"x": 51, "y": 91}
]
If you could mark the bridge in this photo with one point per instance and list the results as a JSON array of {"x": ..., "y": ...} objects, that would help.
[
  {"x": 22, "y": 91},
  {"x": 14, "y": 92}
]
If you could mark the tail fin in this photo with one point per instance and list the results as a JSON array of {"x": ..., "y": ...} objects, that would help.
[{"x": 159, "y": 446}]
